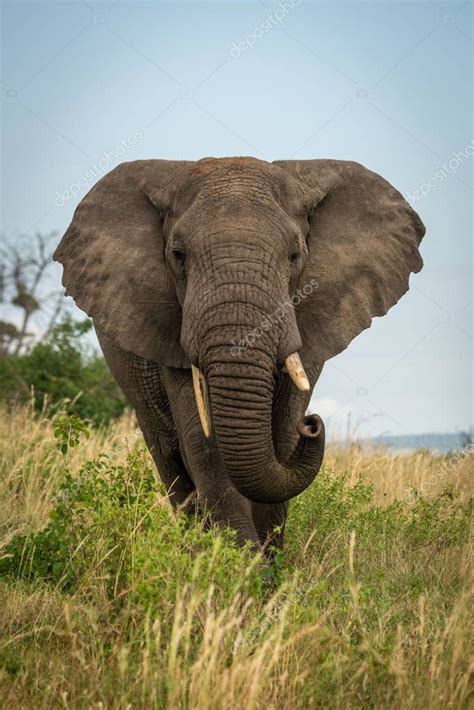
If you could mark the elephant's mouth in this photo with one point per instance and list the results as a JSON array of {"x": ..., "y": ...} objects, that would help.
[{"x": 295, "y": 369}]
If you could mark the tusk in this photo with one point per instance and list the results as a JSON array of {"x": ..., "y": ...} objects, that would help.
[
  {"x": 202, "y": 401},
  {"x": 296, "y": 372}
]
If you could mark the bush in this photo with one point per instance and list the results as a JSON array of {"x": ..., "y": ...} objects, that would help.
[
  {"x": 63, "y": 368},
  {"x": 114, "y": 523}
]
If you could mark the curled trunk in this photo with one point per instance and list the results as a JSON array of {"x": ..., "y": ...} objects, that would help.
[{"x": 241, "y": 395}]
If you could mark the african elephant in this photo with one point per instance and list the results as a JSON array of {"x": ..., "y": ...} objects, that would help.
[{"x": 218, "y": 289}]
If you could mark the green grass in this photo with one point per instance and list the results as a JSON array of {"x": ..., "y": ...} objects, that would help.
[{"x": 111, "y": 599}]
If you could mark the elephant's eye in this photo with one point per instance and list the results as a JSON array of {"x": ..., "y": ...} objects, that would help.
[
  {"x": 294, "y": 256},
  {"x": 178, "y": 253}
]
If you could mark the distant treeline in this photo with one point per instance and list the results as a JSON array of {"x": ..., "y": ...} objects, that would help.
[{"x": 436, "y": 442}]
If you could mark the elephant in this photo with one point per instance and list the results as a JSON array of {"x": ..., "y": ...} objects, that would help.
[{"x": 218, "y": 288}]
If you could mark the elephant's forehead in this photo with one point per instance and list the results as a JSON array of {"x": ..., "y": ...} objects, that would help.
[
  {"x": 249, "y": 178},
  {"x": 209, "y": 166}
]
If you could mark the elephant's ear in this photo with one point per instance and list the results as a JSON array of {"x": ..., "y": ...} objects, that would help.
[
  {"x": 113, "y": 259},
  {"x": 363, "y": 245}
]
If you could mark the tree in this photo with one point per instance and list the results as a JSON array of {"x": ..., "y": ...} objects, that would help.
[
  {"x": 43, "y": 352},
  {"x": 25, "y": 269}
]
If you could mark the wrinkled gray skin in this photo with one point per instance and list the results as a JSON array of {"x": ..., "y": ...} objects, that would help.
[{"x": 180, "y": 262}]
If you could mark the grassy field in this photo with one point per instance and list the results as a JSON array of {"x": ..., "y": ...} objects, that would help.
[{"x": 110, "y": 600}]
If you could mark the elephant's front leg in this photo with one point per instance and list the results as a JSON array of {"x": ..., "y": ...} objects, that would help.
[
  {"x": 141, "y": 382},
  {"x": 215, "y": 492},
  {"x": 270, "y": 521}
]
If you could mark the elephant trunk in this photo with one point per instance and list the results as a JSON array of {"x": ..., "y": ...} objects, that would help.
[{"x": 240, "y": 400}]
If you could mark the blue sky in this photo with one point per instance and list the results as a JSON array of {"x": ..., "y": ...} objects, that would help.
[{"x": 385, "y": 83}]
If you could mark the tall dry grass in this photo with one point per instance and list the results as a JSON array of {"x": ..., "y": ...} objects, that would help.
[
  {"x": 371, "y": 607},
  {"x": 31, "y": 465},
  {"x": 394, "y": 474}
]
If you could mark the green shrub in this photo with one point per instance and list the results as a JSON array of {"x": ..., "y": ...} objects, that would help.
[
  {"x": 113, "y": 523},
  {"x": 63, "y": 368},
  {"x": 392, "y": 548},
  {"x": 331, "y": 509}
]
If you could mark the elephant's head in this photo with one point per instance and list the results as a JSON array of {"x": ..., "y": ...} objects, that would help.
[{"x": 238, "y": 267}]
